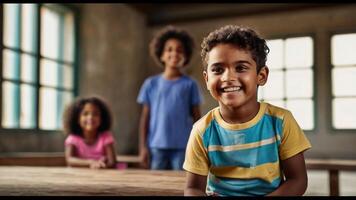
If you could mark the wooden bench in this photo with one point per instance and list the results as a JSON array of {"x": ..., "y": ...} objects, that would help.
[
  {"x": 333, "y": 166},
  {"x": 51, "y": 159}
]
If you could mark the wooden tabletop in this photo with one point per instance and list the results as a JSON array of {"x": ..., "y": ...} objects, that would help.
[{"x": 58, "y": 181}]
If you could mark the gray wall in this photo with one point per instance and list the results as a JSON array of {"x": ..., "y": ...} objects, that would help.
[{"x": 113, "y": 64}]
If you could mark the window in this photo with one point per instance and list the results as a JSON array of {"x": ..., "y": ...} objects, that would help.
[
  {"x": 343, "y": 60},
  {"x": 37, "y": 65},
  {"x": 290, "y": 81}
]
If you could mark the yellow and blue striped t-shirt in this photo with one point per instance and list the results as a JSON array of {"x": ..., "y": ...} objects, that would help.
[{"x": 244, "y": 159}]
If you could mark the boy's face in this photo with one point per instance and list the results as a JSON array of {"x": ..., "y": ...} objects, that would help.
[
  {"x": 89, "y": 119},
  {"x": 231, "y": 76},
  {"x": 173, "y": 53}
]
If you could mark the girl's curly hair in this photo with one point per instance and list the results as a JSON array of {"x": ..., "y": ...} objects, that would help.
[
  {"x": 243, "y": 37},
  {"x": 171, "y": 32},
  {"x": 72, "y": 113}
]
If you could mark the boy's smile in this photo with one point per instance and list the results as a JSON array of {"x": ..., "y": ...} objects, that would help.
[{"x": 231, "y": 76}]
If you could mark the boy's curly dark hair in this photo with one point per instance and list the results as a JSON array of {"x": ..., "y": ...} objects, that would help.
[
  {"x": 242, "y": 37},
  {"x": 72, "y": 113},
  {"x": 171, "y": 32}
]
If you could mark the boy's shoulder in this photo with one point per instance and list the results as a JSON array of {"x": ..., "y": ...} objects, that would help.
[
  {"x": 153, "y": 77},
  {"x": 205, "y": 121}
]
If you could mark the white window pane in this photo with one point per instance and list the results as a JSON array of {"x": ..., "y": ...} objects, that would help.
[
  {"x": 273, "y": 89},
  {"x": 299, "y": 83},
  {"x": 275, "y": 56},
  {"x": 49, "y": 73},
  {"x": 29, "y": 28},
  {"x": 9, "y": 105},
  {"x": 11, "y": 62},
  {"x": 299, "y": 52},
  {"x": 28, "y": 106},
  {"x": 48, "y": 109},
  {"x": 68, "y": 76},
  {"x": 279, "y": 103},
  {"x": 50, "y": 33},
  {"x": 344, "y": 81},
  {"x": 303, "y": 112},
  {"x": 28, "y": 68},
  {"x": 343, "y": 48},
  {"x": 10, "y": 25},
  {"x": 344, "y": 113},
  {"x": 69, "y": 37}
]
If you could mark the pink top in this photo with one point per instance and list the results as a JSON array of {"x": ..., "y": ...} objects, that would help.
[{"x": 94, "y": 151}]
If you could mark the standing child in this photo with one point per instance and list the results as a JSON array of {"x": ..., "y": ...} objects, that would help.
[
  {"x": 87, "y": 122},
  {"x": 170, "y": 102},
  {"x": 243, "y": 147}
]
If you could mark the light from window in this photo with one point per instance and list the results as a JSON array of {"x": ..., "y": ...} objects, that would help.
[{"x": 343, "y": 59}]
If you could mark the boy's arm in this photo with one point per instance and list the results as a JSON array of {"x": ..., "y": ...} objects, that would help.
[
  {"x": 195, "y": 185},
  {"x": 110, "y": 155},
  {"x": 143, "y": 129},
  {"x": 296, "y": 177},
  {"x": 196, "y": 113},
  {"x": 78, "y": 162}
]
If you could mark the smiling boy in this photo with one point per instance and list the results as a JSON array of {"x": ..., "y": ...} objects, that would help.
[{"x": 242, "y": 147}]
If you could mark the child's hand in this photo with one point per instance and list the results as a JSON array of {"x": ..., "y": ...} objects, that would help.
[
  {"x": 144, "y": 158},
  {"x": 97, "y": 164}
]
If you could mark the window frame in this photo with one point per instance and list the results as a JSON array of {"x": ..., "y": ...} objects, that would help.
[
  {"x": 38, "y": 58},
  {"x": 313, "y": 36},
  {"x": 331, "y": 129}
]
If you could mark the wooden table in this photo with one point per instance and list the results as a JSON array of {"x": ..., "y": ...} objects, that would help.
[
  {"x": 58, "y": 181},
  {"x": 333, "y": 166}
]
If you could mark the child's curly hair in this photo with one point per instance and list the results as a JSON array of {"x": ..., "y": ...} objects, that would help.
[
  {"x": 242, "y": 37},
  {"x": 72, "y": 113},
  {"x": 171, "y": 32}
]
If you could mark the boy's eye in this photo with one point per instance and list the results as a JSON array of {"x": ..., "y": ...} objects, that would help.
[
  {"x": 217, "y": 69},
  {"x": 240, "y": 68}
]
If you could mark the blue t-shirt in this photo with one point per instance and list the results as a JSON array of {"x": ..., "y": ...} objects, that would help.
[{"x": 170, "y": 103}]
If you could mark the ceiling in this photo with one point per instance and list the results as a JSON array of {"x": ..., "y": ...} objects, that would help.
[{"x": 173, "y": 12}]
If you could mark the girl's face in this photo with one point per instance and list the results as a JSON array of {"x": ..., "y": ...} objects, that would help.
[
  {"x": 231, "y": 76},
  {"x": 89, "y": 119},
  {"x": 173, "y": 53}
]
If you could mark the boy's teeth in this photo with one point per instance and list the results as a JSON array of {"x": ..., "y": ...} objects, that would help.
[{"x": 231, "y": 89}]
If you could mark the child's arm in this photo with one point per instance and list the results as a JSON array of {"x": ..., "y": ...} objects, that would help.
[
  {"x": 79, "y": 162},
  {"x": 296, "y": 177},
  {"x": 143, "y": 129},
  {"x": 110, "y": 155},
  {"x": 196, "y": 113},
  {"x": 195, "y": 185}
]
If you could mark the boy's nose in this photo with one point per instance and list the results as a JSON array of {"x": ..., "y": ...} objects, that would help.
[{"x": 228, "y": 75}]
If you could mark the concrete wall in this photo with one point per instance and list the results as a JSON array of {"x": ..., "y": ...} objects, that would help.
[
  {"x": 113, "y": 64},
  {"x": 320, "y": 22}
]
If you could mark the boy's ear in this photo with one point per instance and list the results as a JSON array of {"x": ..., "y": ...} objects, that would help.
[
  {"x": 262, "y": 76},
  {"x": 205, "y": 74}
]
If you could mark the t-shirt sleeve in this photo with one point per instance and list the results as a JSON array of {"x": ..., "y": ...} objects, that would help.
[
  {"x": 71, "y": 140},
  {"x": 293, "y": 139},
  {"x": 195, "y": 94},
  {"x": 143, "y": 97},
  {"x": 196, "y": 159},
  {"x": 108, "y": 138}
]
